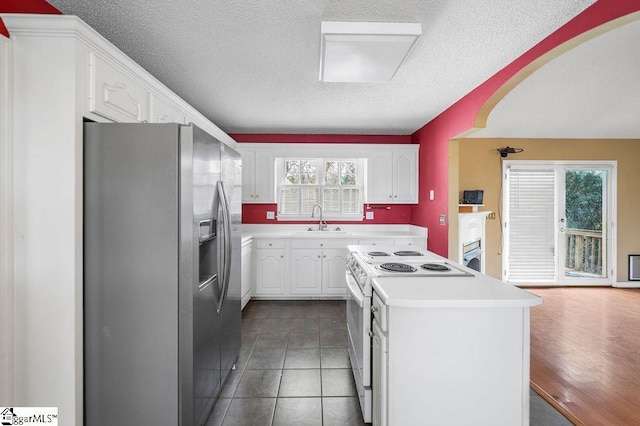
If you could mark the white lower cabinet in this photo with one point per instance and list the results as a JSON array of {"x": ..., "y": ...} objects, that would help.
[
  {"x": 379, "y": 376},
  {"x": 306, "y": 272},
  {"x": 450, "y": 365},
  {"x": 271, "y": 268},
  {"x": 318, "y": 267},
  {"x": 334, "y": 266},
  {"x": 246, "y": 278}
]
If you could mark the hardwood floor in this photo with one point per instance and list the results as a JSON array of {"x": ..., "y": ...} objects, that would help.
[{"x": 585, "y": 353}]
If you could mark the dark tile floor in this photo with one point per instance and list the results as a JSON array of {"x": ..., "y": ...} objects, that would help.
[{"x": 294, "y": 369}]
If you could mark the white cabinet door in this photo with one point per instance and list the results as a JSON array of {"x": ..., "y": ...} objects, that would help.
[
  {"x": 379, "y": 376},
  {"x": 160, "y": 111},
  {"x": 264, "y": 177},
  {"x": 246, "y": 278},
  {"x": 405, "y": 182},
  {"x": 333, "y": 270},
  {"x": 270, "y": 271},
  {"x": 306, "y": 272},
  {"x": 392, "y": 175},
  {"x": 379, "y": 177},
  {"x": 115, "y": 94},
  {"x": 257, "y": 176},
  {"x": 248, "y": 175}
]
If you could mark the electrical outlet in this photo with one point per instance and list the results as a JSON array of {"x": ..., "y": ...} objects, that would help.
[
  {"x": 369, "y": 215},
  {"x": 443, "y": 219},
  {"x": 271, "y": 215},
  {"x": 432, "y": 194}
]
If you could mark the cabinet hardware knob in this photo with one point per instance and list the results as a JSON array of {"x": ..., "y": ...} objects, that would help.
[
  {"x": 325, "y": 256},
  {"x": 269, "y": 244},
  {"x": 318, "y": 256},
  {"x": 371, "y": 334},
  {"x": 374, "y": 309},
  {"x": 281, "y": 256},
  {"x": 395, "y": 196}
]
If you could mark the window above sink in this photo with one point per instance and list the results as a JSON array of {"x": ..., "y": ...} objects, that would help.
[{"x": 336, "y": 184}]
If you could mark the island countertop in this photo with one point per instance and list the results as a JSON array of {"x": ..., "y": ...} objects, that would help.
[{"x": 477, "y": 291}]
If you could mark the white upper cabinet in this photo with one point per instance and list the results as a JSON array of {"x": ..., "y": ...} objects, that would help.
[
  {"x": 162, "y": 111},
  {"x": 257, "y": 175},
  {"x": 114, "y": 93},
  {"x": 392, "y": 175}
]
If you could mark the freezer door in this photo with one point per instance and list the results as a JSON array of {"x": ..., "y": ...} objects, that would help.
[{"x": 131, "y": 272}]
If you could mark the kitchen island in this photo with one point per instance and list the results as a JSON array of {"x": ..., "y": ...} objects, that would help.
[{"x": 450, "y": 351}]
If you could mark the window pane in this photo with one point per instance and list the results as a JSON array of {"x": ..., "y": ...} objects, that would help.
[
  {"x": 332, "y": 167},
  {"x": 348, "y": 167},
  {"x": 308, "y": 166},
  {"x": 332, "y": 179},
  {"x": 308, "y": 179}
]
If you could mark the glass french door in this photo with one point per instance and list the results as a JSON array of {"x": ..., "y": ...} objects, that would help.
[{"x": 557, "y": 223}]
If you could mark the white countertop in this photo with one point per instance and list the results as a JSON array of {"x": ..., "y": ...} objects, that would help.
[
  {"x": 346, "y": 231},
  {"x": 452, "y": 292}
]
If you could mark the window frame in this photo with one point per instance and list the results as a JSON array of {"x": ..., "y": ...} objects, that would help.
[{"x": 321, "y": 164}]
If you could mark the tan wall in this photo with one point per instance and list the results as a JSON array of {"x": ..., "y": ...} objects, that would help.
[{"x": 480, "y": 168}]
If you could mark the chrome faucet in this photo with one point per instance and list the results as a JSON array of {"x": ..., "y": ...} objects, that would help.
[{"x": 313, "y": 212}]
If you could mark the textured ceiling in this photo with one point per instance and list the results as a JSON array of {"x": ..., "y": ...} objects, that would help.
[
  {"x": 591, "y": 91},
  {"x": 252, "y": 66}
]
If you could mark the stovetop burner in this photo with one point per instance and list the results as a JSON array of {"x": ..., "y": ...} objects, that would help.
[
  {"x": 435, "y": 267},
  {"x": 397, "y": 267},
  {"x": 408, "y": 253},
  {"x": 377, "y": 253}
]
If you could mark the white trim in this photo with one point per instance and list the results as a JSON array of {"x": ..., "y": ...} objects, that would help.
[
  {"x": 627, "y": 284},
  {"x": 6, "y": 226}
]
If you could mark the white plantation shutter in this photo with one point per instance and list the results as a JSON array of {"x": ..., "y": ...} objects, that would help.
[
  {"x": 331, "y": 200},
  {"x": 530, "y": 230},
  {"x": 289, "y": 200},
  {"x": 309, "y": 198},
  {"x": 351, "y": 200}
]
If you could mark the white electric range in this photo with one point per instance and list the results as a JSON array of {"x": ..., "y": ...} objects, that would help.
[{"x": 365, "y": 262}]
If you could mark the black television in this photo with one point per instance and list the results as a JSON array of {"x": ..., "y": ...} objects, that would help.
[{"x": 475, "y": 196}]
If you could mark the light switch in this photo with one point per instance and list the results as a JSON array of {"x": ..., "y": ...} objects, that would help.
[
  {"x": 271, "y": 215},
  {"x": 369, "y": 215},
  {"x": 443, "y": 219},
  {"x": 432, "y": 194}
]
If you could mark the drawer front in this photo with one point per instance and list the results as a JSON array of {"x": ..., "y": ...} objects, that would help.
[
  {"x": 273, "y": 243},
  {"x": 115, "y": 95},
  {"x": 375, "y": 241},
  {"x": 379, "y": 311},
  {"x": 417, "y": 242},
  {"x": 321, "y": 243}
]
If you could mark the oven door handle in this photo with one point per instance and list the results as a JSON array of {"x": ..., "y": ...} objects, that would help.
[{"x": 354, "y": 289}]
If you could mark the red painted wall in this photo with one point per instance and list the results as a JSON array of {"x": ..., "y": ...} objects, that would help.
[
  {"x": 24, "y": 6},
  {"x": 382, "y": 214},
  {"x": 434, "y": 136}
]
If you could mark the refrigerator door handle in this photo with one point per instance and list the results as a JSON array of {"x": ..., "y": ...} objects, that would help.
[{"x": 226, "y": 238}]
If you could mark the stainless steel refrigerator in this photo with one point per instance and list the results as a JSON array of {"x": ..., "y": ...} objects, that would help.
[{"x": 162, "y": 218}]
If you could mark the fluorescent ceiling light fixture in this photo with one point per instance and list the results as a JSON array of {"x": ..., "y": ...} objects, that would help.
[{"x": 365, "y": 52}]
